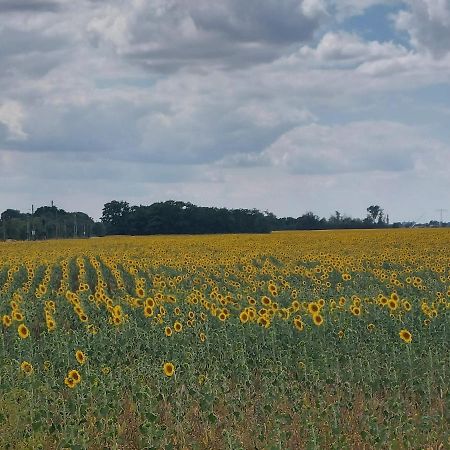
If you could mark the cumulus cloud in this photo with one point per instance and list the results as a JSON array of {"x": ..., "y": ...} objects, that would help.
[
  {"x": 336, "y": 47},
  {"x": 12, "y": 116},
  {"x": 167, "y": 35},
  {"x": 354, "y": 147},
  {"x": 428, "y": 24}
]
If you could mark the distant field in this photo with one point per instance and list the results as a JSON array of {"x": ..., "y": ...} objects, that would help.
[{"x": 291, "y": 340}]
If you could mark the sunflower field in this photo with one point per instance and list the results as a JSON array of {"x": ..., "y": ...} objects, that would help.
[{"x": 302, "y": 340}]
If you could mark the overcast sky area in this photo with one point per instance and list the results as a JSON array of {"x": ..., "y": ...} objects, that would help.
[{"x": 285, "y": 105}]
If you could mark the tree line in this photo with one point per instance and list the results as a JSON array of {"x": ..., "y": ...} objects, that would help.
[
  {"x": 46, "y": 222},
  {"x": 170, "y": 217}
]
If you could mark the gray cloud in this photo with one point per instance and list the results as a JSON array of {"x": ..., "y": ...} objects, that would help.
[
  {"x": 28, "y": 6},
  {"x": 168, "y": 35},
  {"x": 428, "y": 24}
]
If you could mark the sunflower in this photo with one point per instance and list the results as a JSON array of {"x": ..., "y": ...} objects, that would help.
[
  {"x": 148, "y": 311},
  {"x": 6, "y": 320},
  {"x": 371, "y": 327},
  {"x": 356, "y": 311},
  {"x": 80, "y": 357},
  {"x": 243, "y": 316},
  {"x": 17, "y": 316},
  {"x": 263, "y": 321},
  {"x": 23, "y": 331},
  {"x": 317, "y": 319},
  {"x": 266, "y": 300},
  {"x": 92, "y": 329},
  {"x": 273, "y": 290},
  {"x": 70, "y": 382},
  {"x": 177, "y": 326},
  {"x": 26, "y": 368},
  {"x": 313, "y": 308},
  {"x": 168, "y": 331},
  {"x": 392, "y": 304},
  {"x": 51, "y": 325},
  {"x": 405, "y": 336},
  {"x": 116, "y": 320},
  {"x": 222, "y": 317},
  {"x": 177, "y": 311},
  {"x": 169, "y": 369},
  {"x": 298, "y": 324},
  {"x": 202, "y": 337},
  {"x": 74, "y": 375},
  {"x": 84, "y": 318}
]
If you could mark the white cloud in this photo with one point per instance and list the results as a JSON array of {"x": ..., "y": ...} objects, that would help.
[
  {"x": 12, "y": 117},
  {"x": 336, "y": 47},
  {"x": 356, "y": 147}
]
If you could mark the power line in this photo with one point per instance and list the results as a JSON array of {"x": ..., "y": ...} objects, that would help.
[{"x": 441, "y": 211}]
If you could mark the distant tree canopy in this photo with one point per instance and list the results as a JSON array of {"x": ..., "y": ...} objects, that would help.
[
  {"x": 171, "y": 217},
  {"x": 47, "y": 222},
  {"x": 176, "y": 217}
]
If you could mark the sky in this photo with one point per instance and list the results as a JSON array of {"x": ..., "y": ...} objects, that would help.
[{"x": 281, "y": 105}]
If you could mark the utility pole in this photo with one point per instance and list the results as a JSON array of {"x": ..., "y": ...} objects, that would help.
[
  {"x": 441, "y": 212},
  {"x": 33, "y": 231},
  {"x": 75, "y": 226},
  {"x": 28, "y": 225}
]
